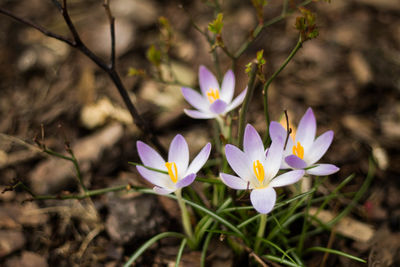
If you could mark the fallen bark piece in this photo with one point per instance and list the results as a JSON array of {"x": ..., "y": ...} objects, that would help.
[{"x": 347, "y": 226}]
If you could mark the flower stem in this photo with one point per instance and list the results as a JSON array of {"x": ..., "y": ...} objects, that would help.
[
  {"x": 185, "y": 218},
  {"x": 260, "y": 233},
  {"x": 267, "y": 84}
]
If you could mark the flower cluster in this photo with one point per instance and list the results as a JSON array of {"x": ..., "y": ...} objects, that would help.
[{"x": 258, "y": 169}]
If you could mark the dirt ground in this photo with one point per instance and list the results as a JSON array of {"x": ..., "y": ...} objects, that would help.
[{"x": 349, "y": 75}]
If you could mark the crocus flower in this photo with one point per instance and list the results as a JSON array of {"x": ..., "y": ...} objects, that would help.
[
  {"x": 257, "y": 169},
  {"x": 304, "y": 150},
  {"x": 180, "y": 173},
  {"x": 214, "y": 100}
]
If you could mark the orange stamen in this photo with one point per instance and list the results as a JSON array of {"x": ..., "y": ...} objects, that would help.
[{"x": 172, "y": 175}]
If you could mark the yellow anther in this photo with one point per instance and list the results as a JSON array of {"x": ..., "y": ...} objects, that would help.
[
  {"x": 298, "y": 150},
  {"x": 172, "y": 175},
  {"x": 212, "y": 95},
  {"x": 258, "y": 171}
]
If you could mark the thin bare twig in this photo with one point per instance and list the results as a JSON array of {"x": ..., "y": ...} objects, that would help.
[
  {"x": 108, "y": 68},
  {"x": 111, "y": 19},
  {"x": 288, "y": 130}
]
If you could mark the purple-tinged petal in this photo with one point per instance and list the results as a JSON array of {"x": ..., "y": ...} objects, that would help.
[
  {"x": 287, "y": 178},
  {"x": 149, "y": 156},
  {"x": 276, "y": 130},
  {"x": 295, "y": 162},
  {"x": 198, "y": 114},
  {"x": 237, "y": 101},
  {"x": 218, "y": 106},
  {"x": 319, "y": 147},
  {"x": 200, "y": 159},
  {"x": 273, "y": 160},
  {"x": 162, "y": 191},
  {"x": 239, "y": 162},
  {"x": 228, "y": 87},
  {"x": 234, "y": 181},
  {"x": 263, "y": 199},
  {"x": 195, "y": 99},
  {"x": 186, "y": 180},
  {"x": 252, "y": 144},
  {"x": 323, "y": 169},
  {"x": 306, "y": 130},
  {"x": 179, "y": 153},
  {"x": 207, "y": 80},
  {"x": 156, "y": 178}
]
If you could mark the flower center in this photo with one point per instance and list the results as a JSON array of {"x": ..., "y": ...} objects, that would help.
[
  {"x": 173, "y": 175},
  {"x": 258, "y": 171},
  {"x": 212, "y": 95},
  {"x": 298, "y": 150}
]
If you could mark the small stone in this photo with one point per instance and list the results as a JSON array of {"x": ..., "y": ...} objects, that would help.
[
  {"x": 10, "y": 241},
  {"x": 27, "y": 259}
]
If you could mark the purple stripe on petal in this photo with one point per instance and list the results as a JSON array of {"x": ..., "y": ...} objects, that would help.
[
  {"x": 233, "y": 181},
  {"x": 186, "y": 181},
  {"x": 295, "y": 162},
  {"x": 319, "y": 147},
  {"x": 263, "y": 199},
  {"x": 323, "y": 169},
  {"x": 198, "y": 114},
  {"x": 252, "y": 144},
  {"x": 273, "y": 160},
  {"x": 162, "y": 191},
  {"x": 195, "y": 99},
  {"x": 207, "y": 80},
  {"x": 239, "y": 162},
  {"x": 149, "y": 156},
  {"x": 200, "y": 159},
  {"x": 237, "y": 101},
  {"x": 287, "y": 178},
  {"x": 306, "y": 130},
  {"x": 218, "y": 106},
  {"x": 156, "y": 178},
  {"x": 179, "y": 153},
  {"x": 228, "y": 86}
]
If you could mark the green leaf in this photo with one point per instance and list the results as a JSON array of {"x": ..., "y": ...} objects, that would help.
[
  {"x": 216, "y": 25},
  {"x": 154, "y": 55}
]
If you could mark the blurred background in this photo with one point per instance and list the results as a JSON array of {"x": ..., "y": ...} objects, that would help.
[{"x": 349, "y": 75}]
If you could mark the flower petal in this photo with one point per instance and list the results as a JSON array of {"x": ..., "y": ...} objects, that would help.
[
  {"x": 207, "y": 80},
  {"x": 287, "y": 178},
  {"x": 263, "y": 199},
  {"x": 295, "y": 162},
  {"x": 306, "y": 130},
  {"x": 179, "y": 153},
  {"x": 252, "y": 144},
  {"x": 234, "y": 181},
  {"x": 237, "y": 101},
  {"x": 228, "y": 86},
  {"x": 156, "y": 178},
  {"x": 319, "y": 147},
  {"x": 198, "y": 114},
  {"x": 162, "y": 191},
  {"x": 200, "y": 159},
  {"x": 273, "y": 160},
  {"x": 323, "y": 169},
  {"x": 186, "y": 181},
  {"x": 277, "y": 130},
  {"x": 239, "y": 162},
  {"x": 195, "y": 99},
  {"x": 218, "y": 106},
  {"x": 149, "y": 156}
]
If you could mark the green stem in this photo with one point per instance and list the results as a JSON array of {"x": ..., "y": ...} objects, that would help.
[
  {"x": 260, "y": 232},
  {"x": 187, "y": 226},
  {"x": 267, "y": 84},
  {"x": 246, "y": 102}
]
